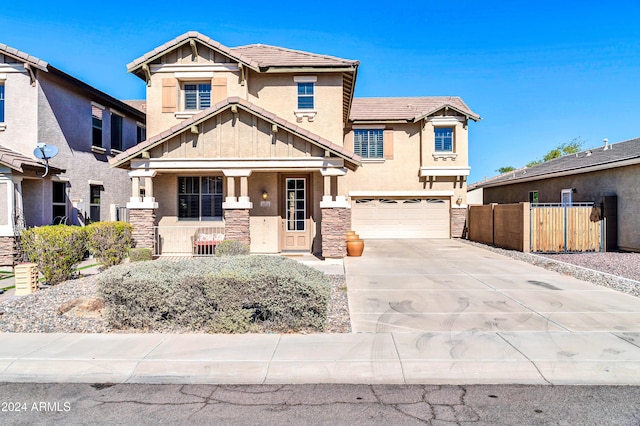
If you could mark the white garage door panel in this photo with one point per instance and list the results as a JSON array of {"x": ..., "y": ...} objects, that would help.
[{"x": 385, "y": 219}]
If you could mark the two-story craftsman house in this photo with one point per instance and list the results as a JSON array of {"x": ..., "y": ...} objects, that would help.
[{"x": 268, "y": 146}]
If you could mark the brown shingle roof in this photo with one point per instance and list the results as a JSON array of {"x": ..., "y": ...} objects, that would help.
[
  {"x": 274, "y": 56},
  {"x": 221, "y": 106},
  {"x": 22, "y": 56},
  {"x": 614, "y": 156},
  {"x": 16, "y": 161},
  {"x": 255, "y": 56},
  {"x": 183, "y": 39},
  {"x": 410, "y": 109}
]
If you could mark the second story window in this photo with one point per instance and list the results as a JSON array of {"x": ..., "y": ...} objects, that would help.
[
  {"x": 197, "y": 96},
  {"x": 1, "y": 102},
  {"x": 141, "y": 133},
  {"x": 369, "y": 143},
  {"x": 116, "y": 132},
  {"x": 96, "y": 123},
  {"x": 305, "y": 95},
  {"x": 443, "y": 139}
]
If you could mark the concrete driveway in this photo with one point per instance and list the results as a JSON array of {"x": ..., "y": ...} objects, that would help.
[{"x": 450, "y": 286}]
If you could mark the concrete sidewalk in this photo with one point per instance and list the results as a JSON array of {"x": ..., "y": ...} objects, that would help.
[{"x": 558, "y": 358}]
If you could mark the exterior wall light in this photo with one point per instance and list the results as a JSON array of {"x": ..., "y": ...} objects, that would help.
[
  {"x": 459, "y": 200},
  {"x": 265, "y": 195}
]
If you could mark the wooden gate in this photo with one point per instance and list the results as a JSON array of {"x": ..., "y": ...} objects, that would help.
[{"x": 564, "y": 229}]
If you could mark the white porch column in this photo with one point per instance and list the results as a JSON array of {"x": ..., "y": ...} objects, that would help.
[
  {"x": 231, "y": 201},
  {"x": 8, "y": 194},
  {"x": 327, "y": 199},
  {"x": 149, "y": 201},
  {"x": 19, "y": 219}
]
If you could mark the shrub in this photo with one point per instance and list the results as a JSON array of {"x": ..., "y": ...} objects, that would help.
[
  {"x": 231, "y": 248},
  {"x": 56, "y": 249},
  {"x": 109, "y": 242},
  {"x": 140, "y": 254},
  {"x": 228, "y": 294}
]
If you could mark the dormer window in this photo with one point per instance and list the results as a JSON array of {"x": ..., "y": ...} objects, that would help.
[
  {"x": 443, "y": 139},
  {"x": 197, "y": 96},
  {"x": 306, "y": 88}
]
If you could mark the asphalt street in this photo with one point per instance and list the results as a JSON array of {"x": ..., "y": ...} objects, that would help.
[{"x": 134, "y": 404}]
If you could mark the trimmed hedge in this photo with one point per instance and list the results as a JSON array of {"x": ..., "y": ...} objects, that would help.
[
  {"x": 228, "y": 294},
  {"x": 57, "y": 249},
  {"x": 231, "y": 248},
  {"x": 109, "y": 242},
  {"x": 140, "y": 254}
]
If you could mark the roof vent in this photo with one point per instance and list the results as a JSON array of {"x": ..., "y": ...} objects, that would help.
[
  {"x": 606, "y": 144},
  {"x": 588, "y": 153}
]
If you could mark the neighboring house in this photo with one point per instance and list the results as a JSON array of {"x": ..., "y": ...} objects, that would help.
[
  {"x": 588, "y": 176},
  {"x": 41, "y": 104},
  {"x": 269, "y": 146}
]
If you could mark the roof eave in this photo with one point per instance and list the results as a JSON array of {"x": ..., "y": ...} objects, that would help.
[{"x": 574, "y": 171}]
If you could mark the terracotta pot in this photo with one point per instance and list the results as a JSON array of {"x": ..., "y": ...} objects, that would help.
[
  {"x": 351, "y": 235},
  {"x": 355, "y": 247}
]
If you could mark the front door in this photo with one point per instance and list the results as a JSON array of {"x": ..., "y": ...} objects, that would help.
[{"x": 295, "y": 223}]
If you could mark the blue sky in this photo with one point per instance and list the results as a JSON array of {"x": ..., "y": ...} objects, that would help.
[{"x": 540, "y": 73}]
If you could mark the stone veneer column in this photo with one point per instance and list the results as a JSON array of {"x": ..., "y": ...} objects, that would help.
[
  {"x": 7, "y": 251},
  {"x": 336, "y": 221},
  {"x": 236, "y": 225},
  {"x": 143, "y": 221},
  {"x": 458, "y": 221}
]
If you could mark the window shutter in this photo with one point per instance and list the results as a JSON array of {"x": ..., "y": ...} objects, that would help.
[
  {"x": 348, "y": 141},
  {"x": 218, "y": 90},
  {"x": 388, "y": 144},
  {"x": 169, "y": 94}
]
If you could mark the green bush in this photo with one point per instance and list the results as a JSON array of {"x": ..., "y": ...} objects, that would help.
[
  {"x": 109, "y": 242},
  {"x": 140, "y": 254},
  {"x": 231, "y": 248},
  {"x": 228, "y": 294},
  {"x": 56, "y": 249}
]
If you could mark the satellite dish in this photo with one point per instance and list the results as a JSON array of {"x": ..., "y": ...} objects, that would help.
[{"x": 45, "y": 152}]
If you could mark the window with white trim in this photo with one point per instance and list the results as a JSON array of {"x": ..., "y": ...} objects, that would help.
[
  {"x": 116, "y": 132},
  {"x": 305, "y": 95},
  {"x": 59, "y": 202},
  {"x": 2, "y": 102},
  {"x": 200, "y": 197},
  {"x": 197, "y": 96},
  {"x": 96, "y": 124},
  {"x": 368, "y": 143},
  {"x": 566, "y": 197},
  {"x": 141, "y": 133},
  {"x": 94, "y": 202},
  {"x": 443, "y": 139}
]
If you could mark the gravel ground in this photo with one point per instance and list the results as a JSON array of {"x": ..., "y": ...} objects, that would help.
[
  {"x": 38, "y": 312},
  {"x": 615, "y": 270}
]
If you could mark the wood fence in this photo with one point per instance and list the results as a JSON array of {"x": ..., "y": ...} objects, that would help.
[
  {"x": 542, "y": 228},
  {"x": 557, "y": 229}
]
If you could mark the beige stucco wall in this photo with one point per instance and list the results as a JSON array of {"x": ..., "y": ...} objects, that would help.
[
  {"x": 244, "y": 136},
  {"x": 279, "y": 94},
  {"x": 402, "y": 172}
]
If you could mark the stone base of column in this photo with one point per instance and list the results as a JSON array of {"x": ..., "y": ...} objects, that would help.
[
  {"x": 458, "y": 221},
  {"x": 143, "y": 221},
  {"x": 7, "y": 251},
  {"x": 335, "y": 224},
  {"x": 236, "y": 225}
]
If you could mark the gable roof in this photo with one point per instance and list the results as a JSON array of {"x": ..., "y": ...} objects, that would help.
[
  {"x": 18, "y": 162},
  {"x": 23, "y": 57},
  {"x": 273, "y": 56},
  {"x": 204, "y": 115},
  {"x": 259, "y": 57},
  {"x": 613, "y": 155},
  {"x": 409, "y": 109},
  {"x": 43, "y": 66}
]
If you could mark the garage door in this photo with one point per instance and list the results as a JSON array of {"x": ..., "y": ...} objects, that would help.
[{"x": 401, "y": 218}]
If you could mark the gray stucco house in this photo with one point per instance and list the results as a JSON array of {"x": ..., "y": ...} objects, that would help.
[
  {"x": 588, "y": 176},
  {"x": 42, "y": 104}
]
